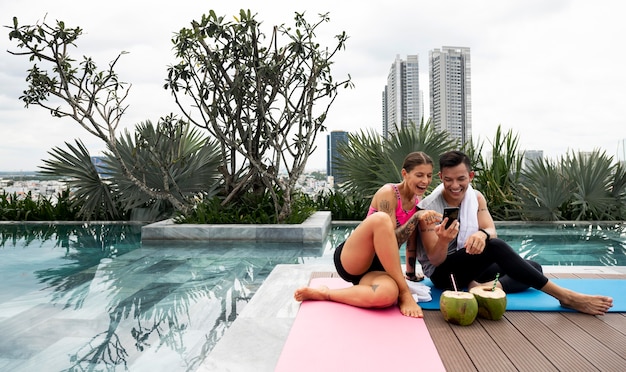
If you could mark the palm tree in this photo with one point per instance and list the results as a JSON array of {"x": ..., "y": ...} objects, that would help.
[
  {"x": 368, "y": 161},
  {"x": 591, "y": 176},
  {"x": 618, "y": 193},
  {"x": 544, "y": 191},
  {"x": 170, "y": 154},
  {"x": 497, "y": 175},
  {"x": 579, "y": 186}
]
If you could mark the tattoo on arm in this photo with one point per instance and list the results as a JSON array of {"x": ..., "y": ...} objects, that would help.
[
  {"x": 384, "y": 206},
  {"x": 411, "y": 261},
  {"x": 403, "y": 232},
  {"x": 374, "y": 287}
]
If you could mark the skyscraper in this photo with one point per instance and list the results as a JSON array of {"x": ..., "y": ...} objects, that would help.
[
  {"x": 451, "y": 91},
  {"x": 530, "y": 156},
  {"x": 333, "y": 140},
  {"x": 402, "y": 103}
]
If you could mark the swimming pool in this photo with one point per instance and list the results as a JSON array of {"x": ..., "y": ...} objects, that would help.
[
  {"x": 92, "y": 297},
  {"x": 561, "y": 244}
]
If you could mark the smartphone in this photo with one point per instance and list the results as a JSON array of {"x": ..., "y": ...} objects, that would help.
[{"x": 452, "y": 213}]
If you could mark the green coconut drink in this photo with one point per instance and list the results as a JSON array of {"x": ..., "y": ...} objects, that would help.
[
  {"x": 458, "y": 307},
  {"x": 491, "y": 302}
]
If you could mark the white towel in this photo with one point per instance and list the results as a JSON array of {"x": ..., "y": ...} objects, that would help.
[
  {"x": 420, "y": 291},
  {"x": 468, "y": 216}
]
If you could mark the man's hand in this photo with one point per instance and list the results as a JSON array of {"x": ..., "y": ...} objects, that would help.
[
  {"x": 476, "y": 242},
  {"x": 448, "y": 234}
]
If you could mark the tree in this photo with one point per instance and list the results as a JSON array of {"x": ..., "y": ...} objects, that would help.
[
  {"x": 92, "y": 98},
  {"x": 190, "y": 161},
  {"x": 577, "y": 186},
  {"x": 264, "y": 104},
  {"x": 498, "y": 175},
  {"x": 368, "y": 160},
  {"x": 544, "y": 191}
]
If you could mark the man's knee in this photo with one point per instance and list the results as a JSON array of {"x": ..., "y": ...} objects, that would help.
[{"x": 535, "y": 265}]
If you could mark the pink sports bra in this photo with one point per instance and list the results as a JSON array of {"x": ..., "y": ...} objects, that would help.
[{"x": 402, "y": 216}]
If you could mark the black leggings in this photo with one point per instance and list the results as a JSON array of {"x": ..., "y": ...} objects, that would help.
[{"x": 516, "y": 273}]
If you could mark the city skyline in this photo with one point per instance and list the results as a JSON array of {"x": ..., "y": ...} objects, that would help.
[{"x": 535, "y": 67}]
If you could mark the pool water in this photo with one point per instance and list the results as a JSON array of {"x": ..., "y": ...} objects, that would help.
[
  {"x": 569, "y": 244},
  {"x": 93, "y": 297},
  {"x": 562, "y": 244},
  {"x": 78, "y": 297}
]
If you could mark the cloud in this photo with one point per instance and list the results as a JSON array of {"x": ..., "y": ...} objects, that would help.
[{"x": 549, "y": 71}]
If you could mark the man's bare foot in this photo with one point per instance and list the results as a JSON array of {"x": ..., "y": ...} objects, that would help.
[
  {"x": 409, "y": 307},
  {"x": 588, "y": 304},
  {"x": 309, "y": 293}
]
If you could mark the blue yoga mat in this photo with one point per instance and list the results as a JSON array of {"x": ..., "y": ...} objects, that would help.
[{"x": 535, "y": 300}]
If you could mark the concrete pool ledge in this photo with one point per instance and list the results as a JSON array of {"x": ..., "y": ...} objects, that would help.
[{"x": 314, "y": 229}]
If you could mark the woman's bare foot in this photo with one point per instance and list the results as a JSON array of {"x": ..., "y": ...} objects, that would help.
[
  {"x": 408, "y": 306},
  {"x": 309, "y": 293},
  {"x": 588, "y": 304}
]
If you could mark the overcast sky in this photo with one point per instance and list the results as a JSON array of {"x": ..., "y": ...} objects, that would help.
[{"x": 551, "y": 71}]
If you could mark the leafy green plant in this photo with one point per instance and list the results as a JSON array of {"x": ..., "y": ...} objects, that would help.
[
  {"x": 252, "y": 209},
  {"x": 618, "y": 193},
  {"x": 369, "y": 161},
  {"x": 93, "y": 196},
  {"x": 498, "y": 175},
  {"x": 170, "y": 151},
  {"x": 14, "y": 207},
  {"x": 544, "y": 192},
  {"x": 343, "y": 207},
  {"x": 264, "y": 99},
  {"x": 591, "y": 176},
  {"x": 579, "y": 186}
]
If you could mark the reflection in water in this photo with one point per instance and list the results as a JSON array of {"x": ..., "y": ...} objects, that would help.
[
  {"x": 162, "y": 307},
  {"x": 566, "y": 244}
]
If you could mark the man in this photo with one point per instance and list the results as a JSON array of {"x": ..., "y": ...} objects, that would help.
[{"x": 469, "y": 248}]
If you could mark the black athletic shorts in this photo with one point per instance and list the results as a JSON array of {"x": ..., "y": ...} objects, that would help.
[{"x": 354, "y": 279}]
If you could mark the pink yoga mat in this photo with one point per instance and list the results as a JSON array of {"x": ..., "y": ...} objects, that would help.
[{"x": 328, "y": 336}]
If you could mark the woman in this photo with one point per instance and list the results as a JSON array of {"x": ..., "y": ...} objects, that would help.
[{"x": 370, "y": 257}]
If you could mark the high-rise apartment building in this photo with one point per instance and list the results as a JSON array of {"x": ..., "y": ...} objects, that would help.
[
  {"x": 451, "y": 91},
  {"x": 402, "y": 103},
  {"x": 530, "y": 156},
  {"x": 621, "y": 151},
  {"x": 333, "y": 140}
]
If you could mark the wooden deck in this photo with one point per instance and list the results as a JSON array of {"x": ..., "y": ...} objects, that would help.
[{"x": 533, "y": 341}]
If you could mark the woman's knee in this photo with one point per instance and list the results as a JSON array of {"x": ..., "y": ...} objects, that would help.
[
  {"x": 379, "y": 219},
  {"x": 385, "y": 290},
  {"x": 384, "y": 296}
]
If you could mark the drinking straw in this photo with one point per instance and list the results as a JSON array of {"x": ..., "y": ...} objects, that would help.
[
  {"x": 495, "y": 282},
  {"x": 453, "y": 282}
]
